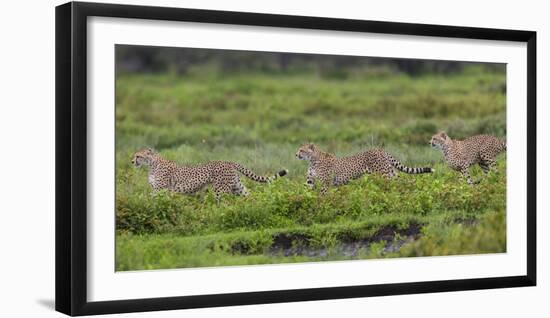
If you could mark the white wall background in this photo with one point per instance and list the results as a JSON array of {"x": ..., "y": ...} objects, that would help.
[{"x": 27, "y": 158}]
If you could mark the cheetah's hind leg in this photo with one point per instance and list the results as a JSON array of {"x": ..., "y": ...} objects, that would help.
[
  {"x": 219, "y": 190},
  {"x": 240, "y": 189},
  {"x": 388, "y": 173},
  {"x": 488, "y": 165},
  {"x": 391, "y": 174}
]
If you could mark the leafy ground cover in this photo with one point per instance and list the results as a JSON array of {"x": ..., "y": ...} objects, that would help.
[{"x": 259, "y": 121}]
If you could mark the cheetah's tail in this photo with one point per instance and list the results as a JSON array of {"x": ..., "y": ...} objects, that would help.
[
  {"x": 399, "y": 166},
  {"x": 251, "y": 175}
]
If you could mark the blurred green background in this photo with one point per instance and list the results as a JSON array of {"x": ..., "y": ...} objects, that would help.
[{"x": 256, "y": 108}]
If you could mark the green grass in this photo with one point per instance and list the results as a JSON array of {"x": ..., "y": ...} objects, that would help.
[{"x": 260, "y": 121}]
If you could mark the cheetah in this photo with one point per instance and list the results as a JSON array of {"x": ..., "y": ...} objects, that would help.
[
  {"x": 333, "y": 171},
  {"x": 460, "y": 155},
  {"x": 166, "y": 174}
]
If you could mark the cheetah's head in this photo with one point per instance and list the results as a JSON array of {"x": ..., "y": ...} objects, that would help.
[
  {"x": 306, "y": 151},
  {"x": 143, "y": 157},
  {"x": 439, "y": 140}
]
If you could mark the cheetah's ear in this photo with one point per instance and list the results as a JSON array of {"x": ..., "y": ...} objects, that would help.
[
  {"x": 311, "y": 146},
  {"x": 150, "y": 150},
  {"x": 444, "y": 135}
]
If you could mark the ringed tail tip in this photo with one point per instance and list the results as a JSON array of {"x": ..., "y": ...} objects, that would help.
[{"x": 282, "y": 172}]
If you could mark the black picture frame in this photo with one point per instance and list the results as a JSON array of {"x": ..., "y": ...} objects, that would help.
[{"x": 71, "y": 157}]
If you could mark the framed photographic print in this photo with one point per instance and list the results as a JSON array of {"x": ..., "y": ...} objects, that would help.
[{"x": 209, "y": 158}]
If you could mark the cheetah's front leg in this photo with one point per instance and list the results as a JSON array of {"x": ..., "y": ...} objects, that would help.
[
  {"x": 310, "y": 180},
  {"x": 324, "y": 187},
  {"x": 466, "y": 174},
  {"x": 159, "y": 182},
  {"x": 326, "y": 180}
]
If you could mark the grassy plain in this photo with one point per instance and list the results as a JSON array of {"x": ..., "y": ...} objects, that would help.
[{"x": 259, "y": 120}]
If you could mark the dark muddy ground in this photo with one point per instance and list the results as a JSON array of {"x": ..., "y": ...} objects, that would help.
[{"x": 297, "y": 245}]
